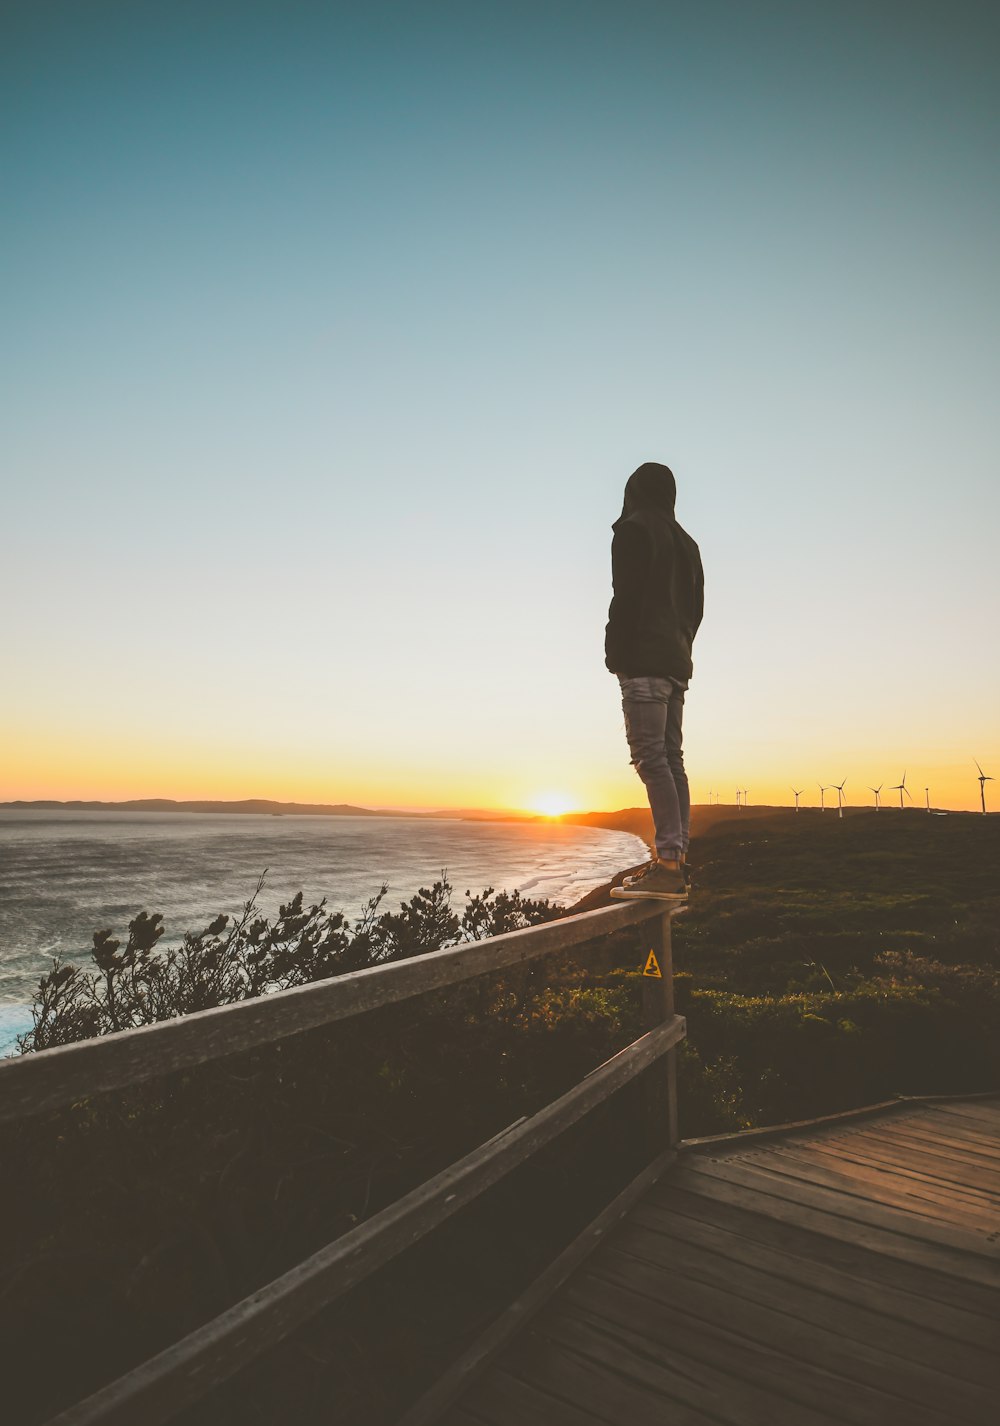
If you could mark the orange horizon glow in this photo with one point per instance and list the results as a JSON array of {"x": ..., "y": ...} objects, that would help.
[
  {"x": 956, "y": 795},
  {"x": 126, "y": 766}
]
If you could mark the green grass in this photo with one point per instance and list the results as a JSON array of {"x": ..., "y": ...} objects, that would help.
[{"x": 826, "y": 962}]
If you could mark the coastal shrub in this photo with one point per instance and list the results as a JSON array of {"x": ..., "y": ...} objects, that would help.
[
  {"x": 236, "y": 958},
  {"x": 801, "y": 1055}
]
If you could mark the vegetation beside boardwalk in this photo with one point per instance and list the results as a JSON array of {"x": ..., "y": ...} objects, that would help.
[
  {"x": 823, "y": 963},
  {"x": 826, "y": 963}
]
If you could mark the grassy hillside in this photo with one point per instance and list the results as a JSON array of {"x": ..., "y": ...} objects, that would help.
[{"x": 829, "y": 962}]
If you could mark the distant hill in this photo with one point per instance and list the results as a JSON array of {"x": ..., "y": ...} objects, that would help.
[
  {"x": 639, "y": 820},
  {"x": 259, "y": 806},
  {"x": 256, "y": 805}
]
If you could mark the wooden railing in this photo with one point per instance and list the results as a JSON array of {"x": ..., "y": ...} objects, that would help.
[{"x": 185, "y": 1372}]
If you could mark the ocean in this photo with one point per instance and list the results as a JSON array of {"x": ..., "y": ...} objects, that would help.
[{"x": 64, "y": 875}]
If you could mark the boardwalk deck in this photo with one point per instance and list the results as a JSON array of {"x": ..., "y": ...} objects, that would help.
[{"x": 843, "y": 1272}]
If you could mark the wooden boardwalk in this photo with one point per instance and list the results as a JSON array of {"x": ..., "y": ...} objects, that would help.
[{"x": 847, "y": 1271}]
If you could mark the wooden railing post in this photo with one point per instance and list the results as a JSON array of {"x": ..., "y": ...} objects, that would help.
[{"x": 657, "y": 1006}]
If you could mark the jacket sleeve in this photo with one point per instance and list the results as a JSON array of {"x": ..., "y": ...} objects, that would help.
[
  {"x": 631, "y": 557},
  {"x": 699, "y": 596}
]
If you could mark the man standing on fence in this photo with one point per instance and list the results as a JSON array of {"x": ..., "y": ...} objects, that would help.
[{"x": 654, "y": 615}]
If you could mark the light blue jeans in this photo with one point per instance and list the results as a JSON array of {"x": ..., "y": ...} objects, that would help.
[{"x": 654, "y": 711}]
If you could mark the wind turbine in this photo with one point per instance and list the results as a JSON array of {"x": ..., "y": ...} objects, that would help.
[
  {"x": 901, "y": 787},
  {"x": 984, "y": 778},
  {"x": 877, "y": 791},
  {"x": 797, "y": 795},
  {"x": 746, "y": 794},
  {"x": 838, "y": 787},
  {"x": 822, "y": 790},
  {"x": 738, "y": 796},
  {"x": 927, "y": 797}
]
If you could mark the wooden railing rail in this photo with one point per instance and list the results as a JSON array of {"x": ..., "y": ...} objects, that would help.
[
  {"x": 185, "y": 1372},
  {"x": 32, "y": 1083}
]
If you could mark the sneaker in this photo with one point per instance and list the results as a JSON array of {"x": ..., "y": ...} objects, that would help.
[
  {"x": 663, "y": 882},
  {"x": 637, "y": 875}
]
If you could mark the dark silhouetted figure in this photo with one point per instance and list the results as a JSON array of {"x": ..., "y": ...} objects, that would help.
[{"x": 654, "y": 615}]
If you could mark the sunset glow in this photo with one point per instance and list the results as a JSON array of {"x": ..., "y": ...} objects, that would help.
[{"x": 553, "y": 806}]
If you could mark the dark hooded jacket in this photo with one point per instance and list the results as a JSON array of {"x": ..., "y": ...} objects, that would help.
[{"x": 658, "y": 582}]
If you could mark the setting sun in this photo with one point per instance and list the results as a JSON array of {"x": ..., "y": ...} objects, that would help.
[{"x": 553, "y": 805}]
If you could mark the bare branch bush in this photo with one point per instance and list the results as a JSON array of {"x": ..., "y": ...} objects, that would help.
[{"x": 237, "y": 958}]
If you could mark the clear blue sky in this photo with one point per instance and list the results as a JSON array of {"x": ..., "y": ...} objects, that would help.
[{"x": 331, "y": 333}]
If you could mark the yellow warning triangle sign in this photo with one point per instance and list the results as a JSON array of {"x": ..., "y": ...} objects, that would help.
[{"x": 652, "y": 966}]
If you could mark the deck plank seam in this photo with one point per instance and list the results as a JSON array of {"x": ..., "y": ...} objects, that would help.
[
  {"x": 727, "y": 1338},
  {"x": 500, "y": 1369},
  {"x": 633, "y": 1382},
  {"x": 937, "y": 1165},
  {"x": 820, "y": 1205},
  {"x": 651, "y": 1350},
  {"x": 794, "y": 1354},
  {"x": 900, "y": 1196},
  {"x": 947, "y": 1148},
  {"x": 861, "y": 1311},
  {"x": 867, "y": 1284},
  {"x": 689, "y": 1273},
  {"x": 947, "y": 1187},
  {"x": 581, "y": 1356}
]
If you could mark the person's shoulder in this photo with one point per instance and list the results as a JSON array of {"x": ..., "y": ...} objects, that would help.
[
  {"x": 632, "y": 530},
  {"x": 687, "y": 537}
]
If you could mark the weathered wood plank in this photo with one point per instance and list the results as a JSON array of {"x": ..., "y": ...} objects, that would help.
[
  {"x": 984, "y": 1145},
  {"x": 848, "y": 1178},
  {"x": 887, "y": 1230},
  {"x": 962, "y": 1181},
  {"x": 966, "y": 1251},
  {"x": 30, "y": 1084},
  {"x": 930, "y": 1368},
  {"x": 817, "y": 1393},
  {"x": 945, "y": 1145},
  {"x": 778, "y": 1330},
  {"x": 186, "y": 1371},
  {"x": 919, "y": 1194},
  {"x": 462, "y": 1372},
  {"x": 965, "y": 1183},
  {"x": 907, "y": 1140},
  {"x": 626, "y": 1341},
  {"x": 504, "y": 1400},
  {"x": 984, "y": 1113},
  {"x": 974, "y": 1130},
  {"x": 836, "y": 1302},
  {"x": 916, "y": 1293},
  {"x": 573, "y": 1376},
  {"x": 885, "y": 1183}
]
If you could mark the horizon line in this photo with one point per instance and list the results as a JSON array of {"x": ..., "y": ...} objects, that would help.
[{"x": 291, "y": 807}]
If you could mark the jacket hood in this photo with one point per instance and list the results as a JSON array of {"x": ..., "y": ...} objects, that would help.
[{"x": 650, "y": 487}]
